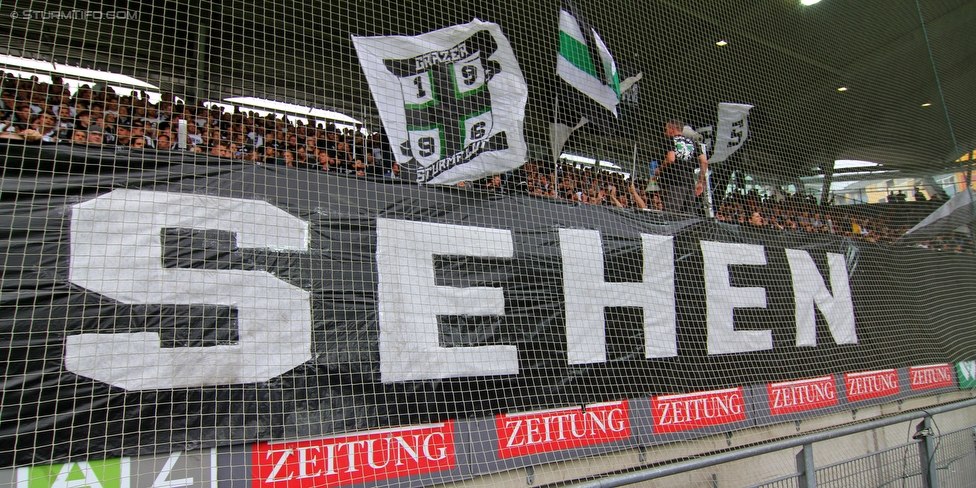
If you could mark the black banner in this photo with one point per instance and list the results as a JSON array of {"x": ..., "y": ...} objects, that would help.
[{"x": 222, "y": 246}]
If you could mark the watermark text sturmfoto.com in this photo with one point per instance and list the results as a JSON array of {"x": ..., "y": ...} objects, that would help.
[{"x": 75, "y": 14}]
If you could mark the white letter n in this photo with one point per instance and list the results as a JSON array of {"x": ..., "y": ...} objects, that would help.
[{"x": 809, "y": 289}]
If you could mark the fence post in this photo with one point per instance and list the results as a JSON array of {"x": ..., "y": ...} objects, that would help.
[
  {"x": 926, "y": 453},
  {"x": 805, "y": 467}
]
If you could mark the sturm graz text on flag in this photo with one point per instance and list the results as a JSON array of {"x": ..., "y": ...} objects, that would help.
[{"x": 451, "y": 101}]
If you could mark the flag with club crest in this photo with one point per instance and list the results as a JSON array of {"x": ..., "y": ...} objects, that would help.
[{"x": 452, "y": 101}]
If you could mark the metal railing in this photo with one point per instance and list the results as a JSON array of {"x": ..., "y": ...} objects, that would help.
[
  {"x": 932, "y": 460},
  {"x": 898, "y": 466}
]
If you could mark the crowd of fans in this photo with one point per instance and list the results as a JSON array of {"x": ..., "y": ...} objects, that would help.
[
  {"x": 806, "y": 215},
  {"x": 49, "y": 112},
  {"x": 955, "y": 242},
  {"x": 792, "y": 212},
  {"x": 585, "y": 185}
]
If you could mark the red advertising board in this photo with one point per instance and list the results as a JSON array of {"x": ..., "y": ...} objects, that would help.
[
  {"x": 353, "y": 459},
  {"x": 931, "y": 376},
  {"x": 687, "y": 411},
  {"x": 801, "y": 395},
  {"x": 871, "y": 384},
  {"x": 552, "y": 430}
]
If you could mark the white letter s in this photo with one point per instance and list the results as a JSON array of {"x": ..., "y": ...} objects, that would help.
[{"x": 116, "y": 251}]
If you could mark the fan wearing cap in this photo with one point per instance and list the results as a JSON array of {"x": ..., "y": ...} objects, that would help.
[
  {"x": 95, "y": 134},
  {"x": 123, "y": 135}
]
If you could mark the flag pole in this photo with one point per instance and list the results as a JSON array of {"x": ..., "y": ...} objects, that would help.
[
  {"x": 599, "y": 156},
  {"x": 555, "y": 162},
  {"x": 633, "y": 171},
  {"x": 708, "y": 187}
]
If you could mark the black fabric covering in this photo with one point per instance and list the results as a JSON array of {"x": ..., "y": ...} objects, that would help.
[{"x": 912, "y": 306}]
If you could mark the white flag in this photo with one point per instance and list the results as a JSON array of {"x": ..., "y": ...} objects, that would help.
[
  {"x": 452, "y": 101},
  {"x": 731, "y": 131}
]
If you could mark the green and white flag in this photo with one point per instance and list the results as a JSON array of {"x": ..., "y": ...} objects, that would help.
[
  {"x": 966, "y": 374},
  {"x": 578, "y": 48},
  {"x": 585, "y": 63}
]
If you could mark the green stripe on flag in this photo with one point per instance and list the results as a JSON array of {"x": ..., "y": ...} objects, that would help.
[
  {"x": 576, "y": 53},
  {"x": 966, "y": 374}
]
